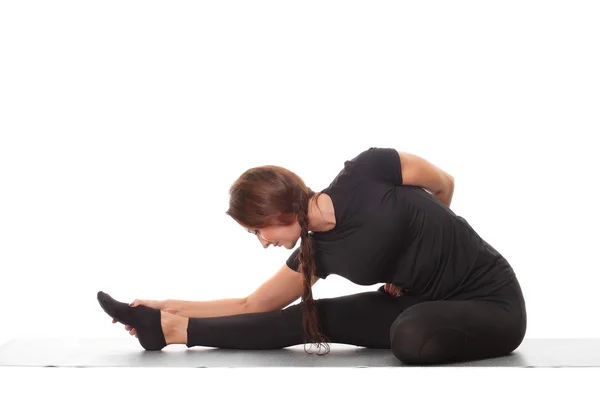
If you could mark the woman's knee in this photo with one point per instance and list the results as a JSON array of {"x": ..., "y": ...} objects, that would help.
[
  {"x": 406, "y": 336},
  {"x": 414, "y": 341}
]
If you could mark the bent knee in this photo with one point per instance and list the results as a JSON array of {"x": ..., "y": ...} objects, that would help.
[
  {"x": 406, "y": 340},
  {"x": 414, "y": 341}
]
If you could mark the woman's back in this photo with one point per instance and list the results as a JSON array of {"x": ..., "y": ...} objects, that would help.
[{"x": 391, "y": 233}]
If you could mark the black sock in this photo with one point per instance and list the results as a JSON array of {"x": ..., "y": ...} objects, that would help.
[{"x": 145, "y": 320}]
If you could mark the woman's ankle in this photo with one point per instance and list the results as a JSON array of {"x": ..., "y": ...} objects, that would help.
[{"x": 174, "y": 328}]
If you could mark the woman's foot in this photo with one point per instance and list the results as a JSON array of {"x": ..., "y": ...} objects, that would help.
[{"x": 154, "y": 328}]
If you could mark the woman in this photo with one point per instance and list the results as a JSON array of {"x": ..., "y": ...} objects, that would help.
[{"x": 447, "y": 295}]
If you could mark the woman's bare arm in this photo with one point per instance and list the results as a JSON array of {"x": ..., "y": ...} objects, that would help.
[
  {"x": 277, "y": 292},
  {"x": 207, "y": 308}
]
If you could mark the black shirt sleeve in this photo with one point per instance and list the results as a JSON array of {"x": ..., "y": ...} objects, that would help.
[
  {"x": 293, "y": 263},
  {"x": 292, "y": 260},
  {"x": 381, "y": 164}
]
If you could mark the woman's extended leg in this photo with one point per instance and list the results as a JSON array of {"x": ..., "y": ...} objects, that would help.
[
  {"x": 361, "y": 319},
  {"x": 417, "y": 331},
  {"x": 445, "y": 331}
]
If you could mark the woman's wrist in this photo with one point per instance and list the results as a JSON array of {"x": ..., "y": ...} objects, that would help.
[{"x": 170, "y": 306}]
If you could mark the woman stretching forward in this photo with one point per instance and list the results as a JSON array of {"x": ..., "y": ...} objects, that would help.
[{"x": 447, "y": 295}]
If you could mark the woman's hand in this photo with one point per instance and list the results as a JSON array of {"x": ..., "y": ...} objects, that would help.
[
  {"x": 392, "y": 289},
  {"x": 157, "y": 304}
]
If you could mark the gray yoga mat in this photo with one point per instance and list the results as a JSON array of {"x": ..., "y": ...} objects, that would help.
[{"x": 126, "y": 352}]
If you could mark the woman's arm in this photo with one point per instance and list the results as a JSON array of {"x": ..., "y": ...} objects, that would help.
[
  {"x": 279, "y": 291},
  {"x": 445, "y": 196},
  {"x": 207, "y": 308},
  {"x": 417, "y": 171}
]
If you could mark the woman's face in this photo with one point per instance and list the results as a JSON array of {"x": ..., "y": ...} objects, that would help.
[{"x": 286, "y": 236}]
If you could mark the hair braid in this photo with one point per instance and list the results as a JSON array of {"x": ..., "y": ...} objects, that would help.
[{"x": 308, "y": 269}]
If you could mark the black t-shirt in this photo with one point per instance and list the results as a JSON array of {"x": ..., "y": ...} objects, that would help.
[{"x": 387, "y": 232}]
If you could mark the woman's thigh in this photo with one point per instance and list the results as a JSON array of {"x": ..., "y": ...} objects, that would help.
[
  {"x": 459, "y": 330},
  {"x": 361, "y": 319}
]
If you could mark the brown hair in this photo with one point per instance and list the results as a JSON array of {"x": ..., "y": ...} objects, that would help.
[{"x": 270, "y": 195}]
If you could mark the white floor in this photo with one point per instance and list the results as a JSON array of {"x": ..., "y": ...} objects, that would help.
[
  {"x": 124, "y": 352},
  {"x": 299, "y": 383}
]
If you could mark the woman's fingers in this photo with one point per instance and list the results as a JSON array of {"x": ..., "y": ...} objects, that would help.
[
  {"x": 157, "y": 304},
  {"x": 128, "y": 328},
  {"x": 131, "y": 330},
  {"x": 392, "y": 289}
]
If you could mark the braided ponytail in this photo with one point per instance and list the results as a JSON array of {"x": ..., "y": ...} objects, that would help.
[{"x": 307, "y": 268}]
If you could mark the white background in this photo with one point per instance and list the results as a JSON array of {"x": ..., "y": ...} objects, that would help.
[{"x": 123, "y": 125}]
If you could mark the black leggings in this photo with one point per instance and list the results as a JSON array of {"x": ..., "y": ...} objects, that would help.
[{"x": 417, "y": 331}]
